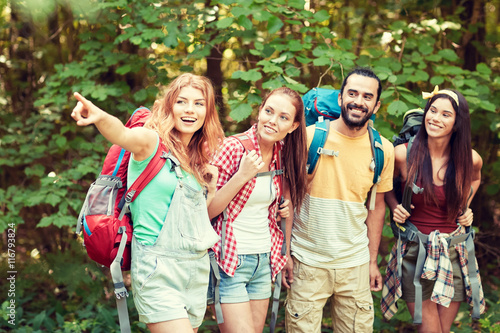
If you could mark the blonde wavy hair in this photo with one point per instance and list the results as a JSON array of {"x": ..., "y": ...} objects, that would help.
[{"x": 204, "y": 142}]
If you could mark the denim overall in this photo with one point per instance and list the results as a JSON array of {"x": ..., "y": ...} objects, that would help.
[{"x": 170, "y": 278}]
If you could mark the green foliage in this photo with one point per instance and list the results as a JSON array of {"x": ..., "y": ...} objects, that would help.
[{"x": 121, "y": 53}]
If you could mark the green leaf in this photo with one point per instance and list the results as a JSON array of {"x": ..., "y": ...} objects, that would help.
[
  {"x": 303, "y": 60},
  {"x": 411, "y": 98},
  {"x": 124, "y": 69},
  {"x": 241, "y": 112},
  {"x": 279, "y": 60},
  {"x": 252, "y": 75},
  {"x": 344, "y": 44},
  {"x": 36, "y": 170},
  {"x": 52, "y": 199},
  {"x": 392, "y": 78},
  {"x": 448, "y": 54},
  {"x": 274, "y": 24},
  {"x": 262, "y": 16},
  {"x": 269, "y": 67},
  {"x": 297, "y": 4},
  {"x": 436, "y": 80},
  {"x": 61, "y": 141},
  {"x": 136, "y": 40},
  {"x": 321, "y": 16},
  {"x": 224, "y": 23},
  {"x": 272, "y": 84},
  {"x": 37, "y": 321},
  {"x": 245, "y": 22},
  {"x": 433, "y": 58},
  {"x": 386, "y": 93},
  {"x": 293, "y": 71},
  {"x": 488, "y": 106},
  {"x": 141, "y": 95},
  {"x": 323, "y": 61},
  {"x": 295, "y": 45},
  {"x": 420, "y": 75},
  {"x": 397, "y": 108},
  {"x": 425, "y": 49},
  {"x": 483, "y": 68}
]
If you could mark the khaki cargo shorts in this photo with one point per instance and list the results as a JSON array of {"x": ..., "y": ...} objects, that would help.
[{"x": 349, "y": 293}]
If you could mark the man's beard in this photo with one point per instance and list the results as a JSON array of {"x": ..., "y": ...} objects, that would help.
[{"x": 359, "y": 122}]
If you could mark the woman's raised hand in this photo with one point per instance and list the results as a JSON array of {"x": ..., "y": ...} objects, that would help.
[{"x": 85, "y": 112}]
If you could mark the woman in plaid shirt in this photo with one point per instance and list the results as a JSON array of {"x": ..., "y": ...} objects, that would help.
[
  {"x": 447, "y": 168},
  {"x": 251, "y": 255}
]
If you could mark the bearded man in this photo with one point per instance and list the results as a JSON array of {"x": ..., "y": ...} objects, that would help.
[{"x": 335, "y": 238}]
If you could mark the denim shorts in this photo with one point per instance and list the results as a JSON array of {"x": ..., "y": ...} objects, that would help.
[{"x": 251, "y": 281}]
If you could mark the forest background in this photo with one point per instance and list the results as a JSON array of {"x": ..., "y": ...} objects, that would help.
[{"x": 121, "y": 53}]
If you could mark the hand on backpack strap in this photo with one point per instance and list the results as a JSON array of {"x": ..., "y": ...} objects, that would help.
[
  {"x": 400, "y": 214},
  {"x": 466, "y": 218},
  {"x": 284, "y": 210},
  {"x": 251, "y": 164},
  {"x": 85, "y": 112}
]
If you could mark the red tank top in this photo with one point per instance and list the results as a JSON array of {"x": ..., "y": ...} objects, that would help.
[{"x": 428, "y": 218}]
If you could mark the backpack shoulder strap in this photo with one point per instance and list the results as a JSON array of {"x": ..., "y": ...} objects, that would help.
[
  {"x": 322, "y": 128},
  {"x": 154, "y": 166},
  {"x": 378, "y": 153},
  {"x": 245, "y": 141},
  {"x": 377, "y": 163},
  {"x": 411, "y": 186}
]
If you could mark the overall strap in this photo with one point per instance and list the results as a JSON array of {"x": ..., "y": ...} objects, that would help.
[{"x": 215, "y": 276}]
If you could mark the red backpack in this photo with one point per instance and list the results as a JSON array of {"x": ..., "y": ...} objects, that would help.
[{"x": 104, "y": 217}]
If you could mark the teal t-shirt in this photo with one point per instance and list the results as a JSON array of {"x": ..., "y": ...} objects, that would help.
[{"x": 150, "y": 208}]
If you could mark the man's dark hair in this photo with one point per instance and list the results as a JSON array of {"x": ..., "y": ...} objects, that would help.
[{"x": 363, "y": 71}]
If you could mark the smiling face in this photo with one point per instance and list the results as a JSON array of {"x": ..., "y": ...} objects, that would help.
[
  {"x": 358, "y": 100},
  {"x": 276, "y": 119},
  {"x": 440, "y": 119},
  {"x": 189, "y": 112}
]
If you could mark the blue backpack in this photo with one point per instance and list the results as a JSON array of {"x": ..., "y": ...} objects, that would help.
[{"x": 320, "y": 106}]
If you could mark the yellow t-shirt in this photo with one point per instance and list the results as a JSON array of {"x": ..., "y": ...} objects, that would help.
[{"x": 330, "y": 231}]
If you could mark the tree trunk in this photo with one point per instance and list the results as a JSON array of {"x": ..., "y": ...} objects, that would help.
[{"x": 474, "y": 20}]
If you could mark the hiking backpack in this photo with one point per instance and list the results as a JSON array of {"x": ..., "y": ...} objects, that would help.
[
  {"x": 408, "y": 232},
  {"x": 105, "y": 219},
  {"x": 213, "y": 293},
  {"x": 320, "y": 107}
]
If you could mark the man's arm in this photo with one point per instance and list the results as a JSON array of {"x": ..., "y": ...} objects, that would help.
[{"x": 375, "y": 224}]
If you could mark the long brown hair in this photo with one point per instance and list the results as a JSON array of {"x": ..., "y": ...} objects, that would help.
[
  {"x": 458, "y": 176},
  {"x": 204, "y": 142},
  {"x": 294, "y": 155}
]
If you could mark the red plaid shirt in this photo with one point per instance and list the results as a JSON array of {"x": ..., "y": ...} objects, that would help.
[{"x": 228, "y": 161}]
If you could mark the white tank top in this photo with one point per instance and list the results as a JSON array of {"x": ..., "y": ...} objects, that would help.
[{"x": 251, "y": 227}]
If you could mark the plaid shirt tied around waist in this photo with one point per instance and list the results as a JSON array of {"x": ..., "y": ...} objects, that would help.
[
  {"x": 228, "y": 161},
  {"x": 437, "y": 267}
]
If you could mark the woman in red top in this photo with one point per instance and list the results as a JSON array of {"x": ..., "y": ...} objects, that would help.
[
  {"x": 251, "y": 254},
  {"x": 447, "y": 168}
]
